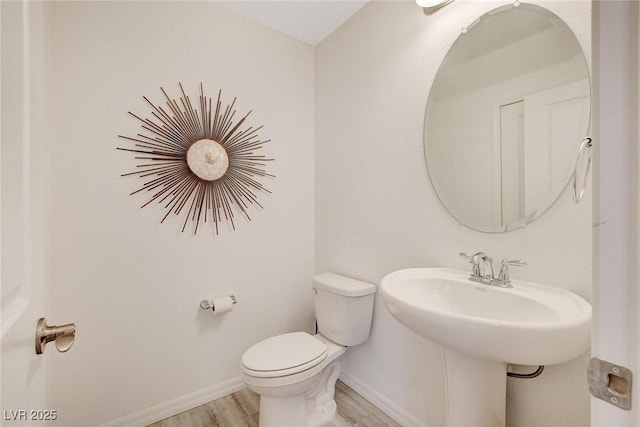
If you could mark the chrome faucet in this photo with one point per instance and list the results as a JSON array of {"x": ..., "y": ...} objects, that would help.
[
  {"x": 482, "y": 276},
  {"x": 486, "y": 260}
]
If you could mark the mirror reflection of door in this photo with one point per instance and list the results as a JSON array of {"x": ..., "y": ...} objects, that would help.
[
  {"x": 511, "y": 169},
  {"x": 532, "y": 148},
  {"x": 550, "y": 119}
]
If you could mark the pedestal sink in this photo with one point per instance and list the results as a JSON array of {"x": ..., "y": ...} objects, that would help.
[{"x": 482, "y": 328}]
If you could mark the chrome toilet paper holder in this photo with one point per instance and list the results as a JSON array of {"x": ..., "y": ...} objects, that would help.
[{"x": 209, "y": 305}]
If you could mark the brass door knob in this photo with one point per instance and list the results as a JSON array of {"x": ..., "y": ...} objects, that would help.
[{"x": 64, "y": 336}]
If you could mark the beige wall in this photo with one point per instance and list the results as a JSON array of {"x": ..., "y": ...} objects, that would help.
[
  {"x": 131, "y": 285},
  {"x": 376, "y": 210}
]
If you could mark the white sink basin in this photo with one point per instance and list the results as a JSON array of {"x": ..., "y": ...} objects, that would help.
[{"x": 528, "y": 324}]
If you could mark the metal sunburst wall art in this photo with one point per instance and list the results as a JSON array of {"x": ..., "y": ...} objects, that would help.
[{"x": 197, "y": 162}]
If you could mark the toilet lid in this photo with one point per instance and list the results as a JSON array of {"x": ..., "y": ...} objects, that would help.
[{"x": 284, "y": 355}]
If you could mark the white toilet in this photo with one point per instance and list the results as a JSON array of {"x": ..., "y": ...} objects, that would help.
[{"x": 295, "y": 374}]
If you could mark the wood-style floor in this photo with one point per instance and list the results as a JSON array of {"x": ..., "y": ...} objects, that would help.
[{"x": 240, "y": 409}]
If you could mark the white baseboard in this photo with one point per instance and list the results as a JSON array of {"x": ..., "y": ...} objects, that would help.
[
  {"x": 381, "y": 402},
  {"x": 175, "y": 406},
  {"x": 167, "y": 409}
]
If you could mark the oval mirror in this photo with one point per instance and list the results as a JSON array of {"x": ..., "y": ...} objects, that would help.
[{"x": 506, "y": 114}]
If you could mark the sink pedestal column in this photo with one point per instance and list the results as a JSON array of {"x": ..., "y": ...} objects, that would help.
[{"x": 476, "y": 390}]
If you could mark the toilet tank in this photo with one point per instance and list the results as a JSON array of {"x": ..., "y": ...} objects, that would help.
[{"x": 344, "y": 308}]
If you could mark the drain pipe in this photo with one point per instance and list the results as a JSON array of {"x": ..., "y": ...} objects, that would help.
[{"x": 533, "y": 374}]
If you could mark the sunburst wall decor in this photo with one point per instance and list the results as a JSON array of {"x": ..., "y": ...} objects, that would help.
[{"x": 196, "y": 161}]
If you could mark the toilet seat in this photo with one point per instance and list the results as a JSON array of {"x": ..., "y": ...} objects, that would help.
[{"x": 284, "y": 355}]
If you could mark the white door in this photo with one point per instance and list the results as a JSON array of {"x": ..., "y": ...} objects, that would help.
[
  {"x": 551, "y": 118},
  {"x": 23, "y": 394},
  {"x": 616, "y": 192},
  {"x": 511, "y": 163}
]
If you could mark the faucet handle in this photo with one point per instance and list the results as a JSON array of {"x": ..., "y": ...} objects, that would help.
[
  {"x": 514, "y": 262},
  {"x": 503, "y": 278},
  {"x": 476, "y": 267},
  {"x": 476, "y": 258}
]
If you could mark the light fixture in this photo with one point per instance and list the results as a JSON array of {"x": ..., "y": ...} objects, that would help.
[{"x": 432, "y": 6}]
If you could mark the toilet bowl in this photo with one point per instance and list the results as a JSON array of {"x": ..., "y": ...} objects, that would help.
[
  {"x": 295, "y": 373},
  {"x": 295, "y": 376}
]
